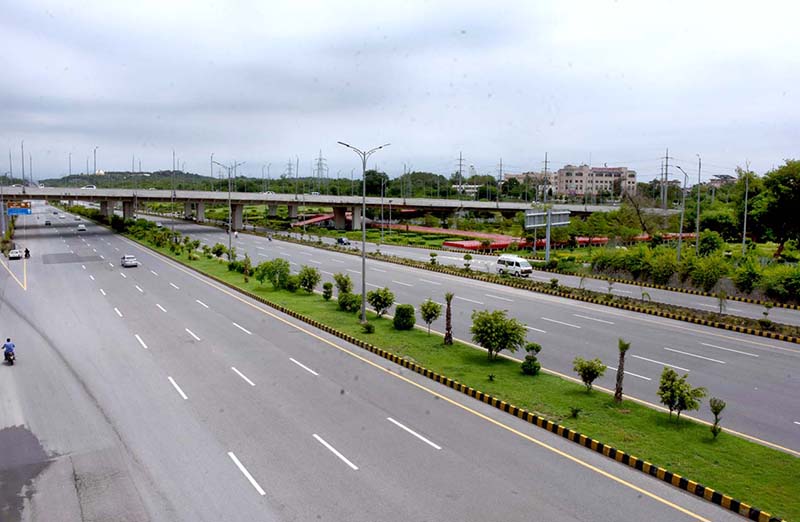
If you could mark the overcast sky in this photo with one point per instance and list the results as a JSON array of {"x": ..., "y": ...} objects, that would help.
[{"x": 608, "y": 82}]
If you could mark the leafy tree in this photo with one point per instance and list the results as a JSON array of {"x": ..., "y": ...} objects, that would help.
[
  {"x": 776, "y": 207},
  {"x": 623, "y": 346},
  {"x": 677, "y": 394},
  {"x": 430, "y": 311},
  {"x": 747, "y": 276},
  {"x": 467, "y": 260},
  {"x": 716, "y": 405},
  {"x": 495, "y": 332},
  {"x": 707, "y": 271},
  {"x": 433, "y": 257},
  {"x": 404, "y": 318},
  {"x": 308, "y": 278},
  {"x": 448, "y": 319},
  {"x": 531, "y": 365},
  {"x": 276, "y": 271},
  {"x": 327, "y": 290},
  {"x": 344, "y": 285},
  {"x": 292, "y": 283},
  {"x": 588, "y": 370},
  {"x": 380, "y": 299}
]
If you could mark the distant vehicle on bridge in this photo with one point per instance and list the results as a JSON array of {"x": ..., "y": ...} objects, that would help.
[{"x": 88, "y": 187}]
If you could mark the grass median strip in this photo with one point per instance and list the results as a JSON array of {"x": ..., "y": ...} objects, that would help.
[{"x": 747, "y": 471}]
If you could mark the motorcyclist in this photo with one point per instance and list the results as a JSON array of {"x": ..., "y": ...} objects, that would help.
[
  {"x": 27, "y": 253},
  {"x": 8, "y": 348}
]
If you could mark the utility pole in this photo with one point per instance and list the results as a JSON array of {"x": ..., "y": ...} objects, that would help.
[
  {"x": 10, "y": 166},
  {"x": 22, "y": 160},
  {"x": 30, "y": 167},
  {"x": 95, "y": 160},
  {"x": 546, "y": 178},
  {"x": 499, "y": 180},
  {"x": 746, "y": 193},
  {"x": 697, "y": 239},
  {"x": 70, "y": 164},
  {"x": 297, "y": 174},
  {"x": 211, "y": 164},
  {"x": 460, "y": 172}
]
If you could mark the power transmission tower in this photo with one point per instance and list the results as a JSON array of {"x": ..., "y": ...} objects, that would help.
[
  {"x": 460, "y": 168},
  {"x": 319, "y": 170},
  {"x": 546, "y": 178},
  {"x": 665, "y": 181}
]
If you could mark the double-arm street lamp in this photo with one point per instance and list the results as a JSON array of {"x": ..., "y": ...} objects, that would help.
[
  {"x": 364, "y": 157},
  {"x": 229, "y": 168}
]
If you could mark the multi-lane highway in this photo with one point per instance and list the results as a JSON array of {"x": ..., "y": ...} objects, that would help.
[
  {"x": 151, "y": 393},
  {"x": 757, "y": 377}
]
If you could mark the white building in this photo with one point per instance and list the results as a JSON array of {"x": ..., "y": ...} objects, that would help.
[{"x": 572, "y": 180}]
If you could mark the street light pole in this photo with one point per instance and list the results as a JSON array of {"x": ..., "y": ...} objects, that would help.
[
  {"x": 683, "y": 209},
  {"x": 229, "y": 168},
  {"x": 364, "y": 156},
  {"x": 697, "y": 239},
  {"x": 746, "y": 193},
  {"x": 94, "y": 153},
  {"x": 211, "y": 165}
]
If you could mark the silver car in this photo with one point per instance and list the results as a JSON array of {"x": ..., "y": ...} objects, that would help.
[{"x": 129, "y": 261}]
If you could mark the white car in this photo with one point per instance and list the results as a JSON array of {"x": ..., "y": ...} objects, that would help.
[
  {"x": 128, "y": 261},
  {"x": 77, "y": 218},
  {"x": 514, "y": 265},
  {"x": 14, "y": 254},
  {"x": 88, "y": 187},
  {"x": 159, "y": 225},
  {"x": 61, "y": 216},
  {"x": 81, "y": 228}
]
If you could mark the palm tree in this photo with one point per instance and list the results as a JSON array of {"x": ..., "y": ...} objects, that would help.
[
  {"x": 448, "y": 319},
  {"x": 623, "y": 347}
]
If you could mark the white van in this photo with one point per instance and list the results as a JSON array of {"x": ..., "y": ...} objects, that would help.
[{"x": 513, "y": 265}]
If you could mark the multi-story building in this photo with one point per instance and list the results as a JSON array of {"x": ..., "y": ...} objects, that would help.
[{"x": 582, "y": 180}]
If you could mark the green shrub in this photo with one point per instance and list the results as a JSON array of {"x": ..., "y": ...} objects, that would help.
[
  {"x": 708, "y": 271},
  {"x": 710, "y": 242},
  {"x": 531, "y": 365},
  {"x": 588, "y": 370},
  {"x": 344, "y": 285},
  {"x": 662, "y": 266},
  {"x": 380, "y": 299},
  {"x": 293, "y": 283},
  {"x": 368, "y": 328},
  {"x": 349, "y": 302},
  {"x": 404, "y": 317},
  {"x": 782, "y": 283},
  {"x": 327, "y": 290},
  {"x": 219, "y": 250},
  {"x": 747, "y": 276}
]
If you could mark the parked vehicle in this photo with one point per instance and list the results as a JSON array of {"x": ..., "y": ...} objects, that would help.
[{"x": 513, "y": 265}]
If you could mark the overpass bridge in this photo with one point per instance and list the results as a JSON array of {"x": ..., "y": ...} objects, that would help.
[{"x": 195, "y": 202}]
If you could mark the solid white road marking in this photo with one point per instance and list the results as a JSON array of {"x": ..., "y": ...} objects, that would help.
[
  {"x": 201, "y": 303},
  {"x": 111, "y": 265},
  {"x": 661, "y": 363},
  {"x": 161, "y": 308},
  {"x": 303, "y": 366},
  {"x": 178, "y": 388},
  {"x": 592, "y": 319},
  {"x": 154, "y": 273},
  {"x": 534, "y": 329},
  {"x": 729, "y": 349},
  {"x": 94, "y": 250},
  {"x": 243, "y": 376},
  {"x": 414, "y": 433},
  {"x": 379, "y": 270},
  {"x": 83, "y": 266},
  {"x": 353, "y": 271},
  {"x": 91, "y": 277},
  {"x": 263, "y": 255},
  {"x": 101, "y": 257},
  {"x": 798, "y": 423},
  {"x": 333, "y": 450},
  {"x": 245, "y": 330},
  {"x": 630, "y": 373},
  {"x": 401, "y": 283},
  {"x": 118, "y": 312},
  {"x": 468, "y": 300},
  {"x": 560, "y": 322},
  {"x": 246, "y": 473},
  {"x": 123, "y": 275},
  {"x": 498, "y": 297},
  {"x": 173, "y": 285},
  {"x": 139, "y": 288},
  {"x": 326, "y": 273},
  {"x": 338, "y": 261},
  {"x": 102, "y": 291},
  {"x": 140, "y": 341},
  {"x": 117, "y": 249},
  {"x": 621, "y": 291},
  {"x": 316, "y": 262},
  {"x": 693, "y": 355},
  {"x": 260, "y": 248},
  {"x": 373, "y": 286},
  {"x": 431, "y": 282},
  {"x": 192, "y": 334}
]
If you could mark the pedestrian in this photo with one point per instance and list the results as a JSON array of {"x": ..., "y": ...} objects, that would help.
[{"x": 236, "y": 234}]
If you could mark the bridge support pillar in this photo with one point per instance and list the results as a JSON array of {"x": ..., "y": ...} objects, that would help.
[
  {"x": 200, "y": 210},
  {"x": 273, "y": 210},
  {"x": 127, "y": 209},
  {"x": 238, "y": 211},
  {"x": 357, "y": 217},
  {"x": 292, "y": 211},
  {"x": 107, "y": 209},
  {"x": 339, "y": 219}
]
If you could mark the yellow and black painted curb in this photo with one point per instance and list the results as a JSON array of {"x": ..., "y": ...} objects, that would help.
[
  {"x": 678, "y": 481},
  {"x": 525, "y": 285}
]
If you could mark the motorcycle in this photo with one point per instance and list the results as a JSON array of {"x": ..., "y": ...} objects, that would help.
[
  {"x": 10, "y": 358},
  {"x": 27, "y": 254}
]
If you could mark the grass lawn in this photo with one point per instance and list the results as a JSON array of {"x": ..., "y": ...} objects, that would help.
[{"x": 754, "y": 474}]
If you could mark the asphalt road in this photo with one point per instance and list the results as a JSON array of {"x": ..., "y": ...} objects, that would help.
[
  {"x": 151, "y": 393},
  {"x": 758, "y": 378}
]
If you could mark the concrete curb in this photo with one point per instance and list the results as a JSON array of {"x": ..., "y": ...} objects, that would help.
[{"x": 709, "y": 494}]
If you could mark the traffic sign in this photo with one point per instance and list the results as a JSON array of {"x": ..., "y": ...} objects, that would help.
[{"x": 19, "y": 208}]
